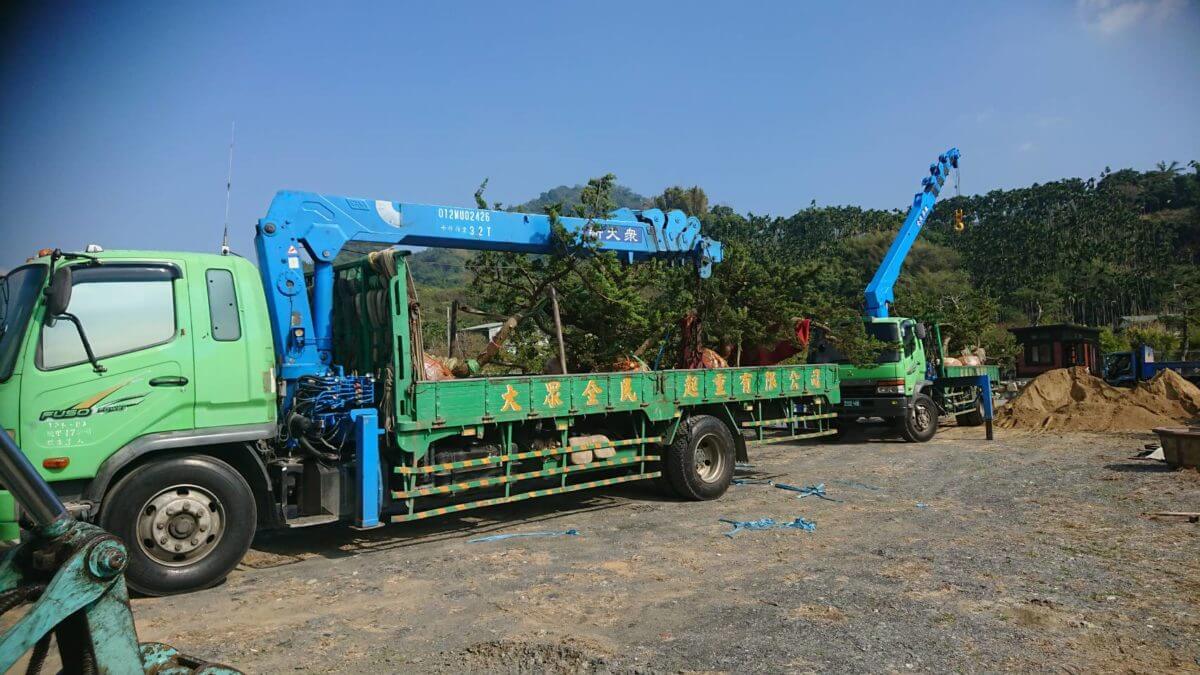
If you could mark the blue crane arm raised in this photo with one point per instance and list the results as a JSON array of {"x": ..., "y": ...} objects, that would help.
[
  {"x": 321, "y": 225},
  {"x": 879, "y": 291}
]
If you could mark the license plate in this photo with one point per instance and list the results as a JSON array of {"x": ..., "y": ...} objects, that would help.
[{"x": 852, "y": 404}]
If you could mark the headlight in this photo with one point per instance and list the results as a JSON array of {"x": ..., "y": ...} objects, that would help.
[{"x": 890, "y": 387}]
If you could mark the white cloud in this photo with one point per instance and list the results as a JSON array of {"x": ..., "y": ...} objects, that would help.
[
  {"x": 1025, "y": 147},
  {"x": 1109, "y": 17}
]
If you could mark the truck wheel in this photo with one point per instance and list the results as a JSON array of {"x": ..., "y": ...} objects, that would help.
[
  {"x": 700, "y": 462},
  {"x": 921, "y": 420},
  {"x": 974, "y": 418},
  {"x": 187, "y": 522}
]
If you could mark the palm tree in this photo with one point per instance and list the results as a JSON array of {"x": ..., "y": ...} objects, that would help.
[{"x": 1173, "y": 168}]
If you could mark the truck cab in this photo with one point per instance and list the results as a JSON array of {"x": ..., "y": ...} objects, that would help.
[
  {"x": 147, "y": 354},
  {"x": 892, "y": 387}
]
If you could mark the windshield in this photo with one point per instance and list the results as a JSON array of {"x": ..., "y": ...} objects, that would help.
[
  {"x": 885, "y": 332},
  {"x": 18, "y": 291},
  {"x": 827, "y": 352}
]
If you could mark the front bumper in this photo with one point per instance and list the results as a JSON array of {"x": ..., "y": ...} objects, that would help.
[{"x": 872, "y": 406}]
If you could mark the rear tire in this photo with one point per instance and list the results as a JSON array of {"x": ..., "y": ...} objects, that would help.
[
  {"x": 920, "y": 421},
  {"x": 699, "y": 463},
  {"x": 186, "y": 522}
]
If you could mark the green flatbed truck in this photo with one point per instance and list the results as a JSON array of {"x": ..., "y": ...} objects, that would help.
[{"x": 186, "y": 401}]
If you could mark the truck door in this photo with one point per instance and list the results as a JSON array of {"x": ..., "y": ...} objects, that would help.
[{"x": 135, "y": 317}]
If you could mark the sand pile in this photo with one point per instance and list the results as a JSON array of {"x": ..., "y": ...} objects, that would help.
[{"x": 1074, "y": 400}]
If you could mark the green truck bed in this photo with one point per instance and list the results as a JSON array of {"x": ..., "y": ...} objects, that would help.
[
  {"x": 770, "y": 403},
  {"x": 992, "y": 372}
]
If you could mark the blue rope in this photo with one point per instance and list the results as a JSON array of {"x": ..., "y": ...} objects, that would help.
[
  {"x": 817, "y": 490},
  {"x": 767, "y": 524},
  {"x": 498, "y": 537}
]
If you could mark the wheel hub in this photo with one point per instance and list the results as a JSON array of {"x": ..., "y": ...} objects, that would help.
[
  {"x": 180, "y": 525},
  {"x": 709, "y": 460},
  {"x": 921, "y": 416}
]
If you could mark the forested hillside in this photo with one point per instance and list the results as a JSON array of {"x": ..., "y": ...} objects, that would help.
[{"x": 1075, "y": 250}]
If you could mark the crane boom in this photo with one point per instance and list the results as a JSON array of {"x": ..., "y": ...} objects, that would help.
[
  {"x": 321, "y": 225},
  {"x": 879, "y": 291}
]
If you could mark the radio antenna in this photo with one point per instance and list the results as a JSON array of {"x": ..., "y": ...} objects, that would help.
[{"x": 228, "y": 190}]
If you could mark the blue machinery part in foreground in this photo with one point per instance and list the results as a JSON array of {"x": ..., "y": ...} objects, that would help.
[
  {"x": 879, "y": 291},
  {"x": 73, "y": 573},
  {"x": 320, "y": 225}
]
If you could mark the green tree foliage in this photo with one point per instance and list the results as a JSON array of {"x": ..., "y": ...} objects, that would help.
[
  {"x": 607, "y": 309},
  {"x": 1112, "y": 342},
  {"x": 692, "y": 201},
  {"x": 1157, "y": 336}
]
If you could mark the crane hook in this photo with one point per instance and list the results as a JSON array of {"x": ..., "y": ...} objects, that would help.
[{"x": 958, "y": 220}]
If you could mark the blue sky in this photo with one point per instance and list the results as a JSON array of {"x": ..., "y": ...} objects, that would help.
[{"x": 117, "y": 115}]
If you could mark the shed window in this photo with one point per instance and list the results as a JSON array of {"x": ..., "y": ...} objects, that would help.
[
  {"x": 1039, "y": 354},
  {"x": 222, "y": 306}
]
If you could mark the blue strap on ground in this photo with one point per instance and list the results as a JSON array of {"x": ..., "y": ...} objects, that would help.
[
  {"x": 817, "y": 490},
  {"x": 513, "y": 535},
  {"x": 767, "y": 524}
]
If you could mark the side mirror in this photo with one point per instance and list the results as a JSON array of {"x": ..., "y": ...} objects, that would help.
[
  {"x": 921, "y": 332},
  {"x": 58, "y": 293}
]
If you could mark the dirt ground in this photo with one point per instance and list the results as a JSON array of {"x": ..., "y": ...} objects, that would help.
[{"x": 1029, "y": 553}]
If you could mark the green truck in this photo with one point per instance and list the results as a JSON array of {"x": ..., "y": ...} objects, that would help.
[
  {"x": 909, "y": 385},
  {"x": 186, "y": 401}
]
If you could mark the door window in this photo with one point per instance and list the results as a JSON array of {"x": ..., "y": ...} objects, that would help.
[
  {"x": 222, "y": 306},
  {"x": 122, "y": 308}
]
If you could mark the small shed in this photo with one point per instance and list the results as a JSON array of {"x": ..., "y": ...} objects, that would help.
[{"x": 1057, "y": 346}]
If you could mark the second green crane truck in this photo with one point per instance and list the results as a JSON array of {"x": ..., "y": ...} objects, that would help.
[
  {"x": 184, "y": 401},
  {"x": 909, "y": 384}
]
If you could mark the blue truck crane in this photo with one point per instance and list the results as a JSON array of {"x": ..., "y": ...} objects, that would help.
[
  {"x": 879, "y": 292},
  {"x": 321, "y": 225}
]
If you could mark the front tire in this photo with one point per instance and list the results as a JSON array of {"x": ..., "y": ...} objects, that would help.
[
  {"x": 186, "y": 522},
  {"x": 699, "y": 463},
  {"x": 920, "y": 420}
]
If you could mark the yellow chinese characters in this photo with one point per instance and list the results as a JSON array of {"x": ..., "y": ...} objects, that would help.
[
  {"x": 719, "y": 382},
  {"x": 591, "y": 391},
  {"x": 627, "y": 393},
  {"x": 747, "y": 380},
  {"x": 770, "y": 382},
  {"x": 691, "y": 386},
  {"x": 510, "y": 399},
  {"x": 794, "y": 380},
  {"x": 553, "y": 395},
  {"x": 816, "y": 378}
]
